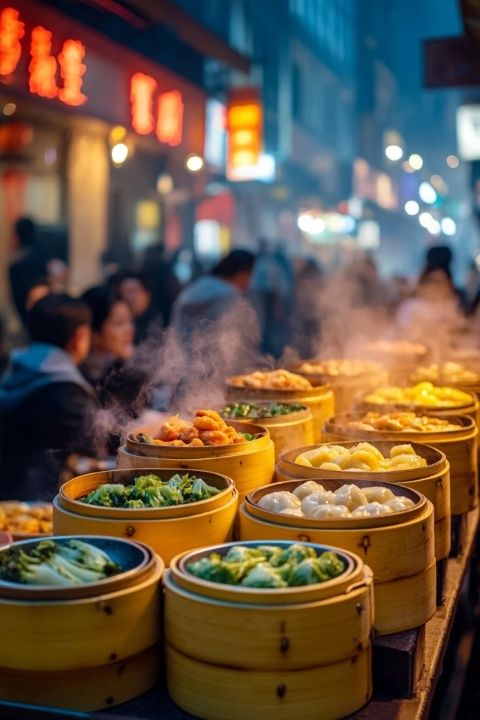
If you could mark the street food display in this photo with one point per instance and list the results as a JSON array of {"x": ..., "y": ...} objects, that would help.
[
  {"x": 364, "y": 456},
  {"x": 406, "y": 421},
  {"x": 423, "y": 394},
  {"x": 259, "y": 411},
  {"x": 336, "y": 368},
  {"x": 22, "y": 518},
  {"x": 207, "y": 428},
  {"x": 273, "y": 380},
  {"x": 446, "y": 372}
]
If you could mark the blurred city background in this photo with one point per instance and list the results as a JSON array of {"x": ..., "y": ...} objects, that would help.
[{"x": 173, "y": 131}]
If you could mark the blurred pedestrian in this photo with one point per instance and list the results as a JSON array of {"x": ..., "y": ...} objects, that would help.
[
  {"x": 38, "y": 289},
  {"x": 159, "y": 274},
  {"x": 307, "y": 316},
  {"x": 29, "y": 264},
  {"x": 46, "y": 405},
  {"x": 134, "y": 288},
  {"x": 211, "y": 296}
]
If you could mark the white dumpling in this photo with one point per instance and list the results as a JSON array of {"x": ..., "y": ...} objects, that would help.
[
  {"x": 400, "y": 503},
  {"x": 361, "y": 512},
  {"x": 294, "y": 512},
  {"x": 376, "y": 508},
  {"x": 311, "y": 502},
  {"x": 277, "y": 501},
  {"x": 351, "y": 496},
  {"x": 307, "y": 488},
  {"x": 379, "y": 494},
  {"x": 330, "y": 511}
]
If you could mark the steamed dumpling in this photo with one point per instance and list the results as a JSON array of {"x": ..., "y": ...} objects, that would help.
[
  {"x": 311, "y": 502},
  {"x": 376, "y": 508},
  {"x": 330, "y": 511},
  {"x": 323, "y": 454},
  {"x": 277, "y": 501},
  {"x": 400, "y": 503},
  {"x": 351, "y": 496},
  {"x": 406, "y": 449},
  {"x": 379, "y": 494},
  {"x": 294, "y": 512},
  {"x": 369, "y": 448},
  {"x": 330, "y": 466},
  {"x": 307, "y": 488},
  {"x": 362, "y": 459},
  {"x": 406, "y": 461}
]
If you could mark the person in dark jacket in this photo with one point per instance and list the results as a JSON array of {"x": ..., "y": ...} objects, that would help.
[
  {"x": 28, "y": 265},
  {"x": 46, "y": 405},
  {"x": 134, "y": 289}
]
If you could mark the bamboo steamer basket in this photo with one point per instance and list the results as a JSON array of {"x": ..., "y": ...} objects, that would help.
[
  {"x": 217, "y": 693},
  {"x": 320, "y": 400},
  {"x": 84, "y": 653},
  {"x": 471, "y": 409},
  {"x": 287, "y": 431},
  {"x": 399, "y": 547},
  {"x": 433, "y": 481},
  {"x": 459, "y": 446},
  {"x": 347, "y": 387},
  {"x": 249, "y": 465},
  {"x": 266, "y": 640},
  {"x": 168, "y": 537},
  {"x": 85, "y": 689}
]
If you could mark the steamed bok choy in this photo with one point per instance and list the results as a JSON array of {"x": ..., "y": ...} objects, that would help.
[
  {"x": 72, "y": 562},
  {"x": 268, "y": 566},
  {"x": 149, "y": 491}
]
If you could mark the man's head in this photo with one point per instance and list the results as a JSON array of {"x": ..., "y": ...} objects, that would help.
[
  {"x": 25, "y": 230},
  {"x": 62, "y": 321},
  {"x": 236, "y": 268},
  {"x": 134, "y": 289}
]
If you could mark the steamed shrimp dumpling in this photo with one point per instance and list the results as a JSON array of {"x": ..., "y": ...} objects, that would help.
[
  {"x": 330, "y": 511},
  {"x": 351, "y": 496},
  {"x": 307, "y": 488},
  {"x": 277, "y": 501},
  {"x": 293, "y": 512},
  {"x": 379, "y": 494},
  {"x": 311, "y": 502},
  {"x": 376, "y": 508},
  {"x": 400, "y": 503}
]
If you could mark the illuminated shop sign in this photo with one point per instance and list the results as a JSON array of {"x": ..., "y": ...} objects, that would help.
[
  {"x": 245, "y": 131},
  {"x": 42, "y": 69},
  {"x": 33, "y": 47}
]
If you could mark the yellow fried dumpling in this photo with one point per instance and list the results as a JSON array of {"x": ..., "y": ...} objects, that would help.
[
  {"x": 406, "y": 462},
  {"x": 326, "y": 453},
  {"x": 406, "y": 449},
  {"x": 361, "y": 460},
  {"x": 369, "y": 447},
  {"x": 330, "y": 466},
  {"x": 378, "y": 494},
  {"x": 303, "y": 460}
]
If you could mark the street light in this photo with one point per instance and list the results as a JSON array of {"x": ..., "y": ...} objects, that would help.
[
  {"x": 416, "y": 161},
  {"x": 412, "y": 207},
  {"x": 449, "y": 226},
  {"x": 425, "y": 218},
  {"x": 394, "y": 152},
  {"x": 453, "y": 161},
  {"x": 119, "y": 153},
  {"x": 194, "y": 163},
  {"x": 427, "y": 193}
]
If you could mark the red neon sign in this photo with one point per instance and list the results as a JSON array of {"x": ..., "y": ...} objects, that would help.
[
  {"x": 42, "y": 69},
  {"x": 142, "y": 88},
  {"x": 72, "y": 70},
  {"x": 12, "y": 31},
  {"x": 170, "y": 118},
  {"x": 43, "y": 65}
]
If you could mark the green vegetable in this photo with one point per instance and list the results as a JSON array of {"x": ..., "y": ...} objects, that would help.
[
  {"x": 252, "y": 411},
  {"x": 72, "y": 562},
  {"x": 149, "y": 491},
  {"x": 268, "y": 566}
]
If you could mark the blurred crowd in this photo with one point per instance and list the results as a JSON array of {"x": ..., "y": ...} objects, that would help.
[{"x": 77, "y": 357}]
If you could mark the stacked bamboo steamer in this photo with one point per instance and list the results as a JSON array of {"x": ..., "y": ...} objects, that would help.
[
  {"x": 320, "y": 400},
  {"x": 286, "y": 431},
  {"x": 235, "y": 652},
  {"x": 399, "y": 548},
  {"x": 249, "y": 464},
  {"x": 85, "y": 647},
  {"x": 168, "y": 530},
  {"x": 433, "y": 481},
  {"x": 459, "y": 446},
  {"x": 350, "y": 378}
]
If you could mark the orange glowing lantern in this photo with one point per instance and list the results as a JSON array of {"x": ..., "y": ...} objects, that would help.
[
  {"x": 142, "y": 88},
  {"x": 72, "y": 70},
  {"x": 15, "y": 136},
  {"x": 245, "y": 127},
  {"x": 43, "y": 66},
  {"x": 170, "y": 118},
  {"x": 12, "y": 30}
]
